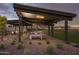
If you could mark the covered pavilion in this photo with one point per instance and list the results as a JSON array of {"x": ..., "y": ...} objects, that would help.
[{"x": 29, "y": 15}]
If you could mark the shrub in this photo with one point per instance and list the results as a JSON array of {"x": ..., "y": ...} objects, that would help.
[
  {"x": 48, "y": 42},
  {"x": 59, "y": 46},
  {"x": 13, "y": 43},
  {"x": 2, "y": 46},
  {"x": 15, "y": 39},
  {"x": 28, "y": 52},
  {"x": 30, "y": 42},
  {"x": 50, "y": 50},
  {"x": 20, "y": 46},
  {"x": 76, "y": 45},
  {"x": 39, "y": 43}
]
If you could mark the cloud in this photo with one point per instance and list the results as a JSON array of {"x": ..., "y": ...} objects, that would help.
[{"x": 8, "y": 10}]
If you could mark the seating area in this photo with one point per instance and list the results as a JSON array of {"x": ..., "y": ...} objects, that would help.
[{"x": 37, "y": 34}]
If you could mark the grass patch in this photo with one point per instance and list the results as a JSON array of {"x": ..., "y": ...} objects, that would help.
[{"x": 73, "y": 36}]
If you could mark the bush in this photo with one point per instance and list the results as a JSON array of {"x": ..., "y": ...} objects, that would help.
[
  {"x": 59, "y": 46},
  {"x": 30, "y": 42},
  {"x": 20, "y": 46},
  {"x": 13, "y": 43},
  {"x": 39, "y": 43},
  {"x": 28, "y": 52},
  {"x": 2, "y": 46},
  {"x": 15, "y": 39},
  {"x": 76, "y": 45},
  {"x": 48, "y": 42},
  {"x": 50, "y": 50}
]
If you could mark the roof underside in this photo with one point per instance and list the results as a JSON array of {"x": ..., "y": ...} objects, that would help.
[
  {"x": 42, "y": 15},
  {"x": 16, "y": 23}
]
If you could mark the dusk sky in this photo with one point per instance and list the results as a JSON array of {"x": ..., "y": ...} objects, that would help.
[{"x": 7, "y": 10}]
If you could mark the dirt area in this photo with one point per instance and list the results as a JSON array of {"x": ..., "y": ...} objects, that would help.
[{"x": 37, "y": 46}]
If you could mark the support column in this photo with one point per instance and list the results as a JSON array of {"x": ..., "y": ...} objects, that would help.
[
  {"x": 15, "y": 28},
  {"x": 31, "y": 27},
  {"x": 66, "y": 31},
  {"x": 19, "y": 30},
  {"x": 20, "y": 18},
  {"x": 52, "y": 29},
  {"x": 48, "y": 29},
  {"x": 26, "y": 27}
]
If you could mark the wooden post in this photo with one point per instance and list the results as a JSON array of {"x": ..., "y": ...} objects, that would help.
[
  {"x": 20, "y": 18},
  {"x": 66, "y": 31},
  {"x": 31, "y": 27},
  {"x": 19, "y": 30},
  {"x": 48, "y": 29},
  {"x": 26, "y": 27},
  {"x": 15, "y": 28},
  {"x": 52, "y": 29}
]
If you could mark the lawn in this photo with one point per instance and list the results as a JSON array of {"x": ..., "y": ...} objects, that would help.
[{"x": 73, "y": 35}]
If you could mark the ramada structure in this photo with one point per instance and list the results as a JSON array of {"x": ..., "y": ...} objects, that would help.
[{"x": 28, "y": 15}]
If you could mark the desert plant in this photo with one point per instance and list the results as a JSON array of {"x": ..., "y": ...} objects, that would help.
[
  {"x": 13, "y": 42},
  {"x": 50, "y": 50},
  {"x": 15, "y": 39},
  {"x": 2, "y": 46},
  {"x": 30, "y": 42},
  {"x": 20, "y": 46},
  {"x": 27, "y": 52},
  {"x": 39, "y": 43},
  {"x": 59, "y": 46},
  {"x": 76, "y": 45},
  {"x": 48, "y": 42}
]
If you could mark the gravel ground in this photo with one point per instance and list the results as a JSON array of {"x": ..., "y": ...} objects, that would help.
[{"x": 35, "y": 48}]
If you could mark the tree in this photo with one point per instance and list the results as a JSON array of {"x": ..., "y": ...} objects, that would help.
[{"x": 3, "y": 26}]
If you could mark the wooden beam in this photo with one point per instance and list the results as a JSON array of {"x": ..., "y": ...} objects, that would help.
[
  {"x": 52, "y": 29},
  {"x": 66, "y": 31}
]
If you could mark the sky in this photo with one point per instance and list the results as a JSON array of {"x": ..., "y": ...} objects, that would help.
[{"x": 6, "y": 9}]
